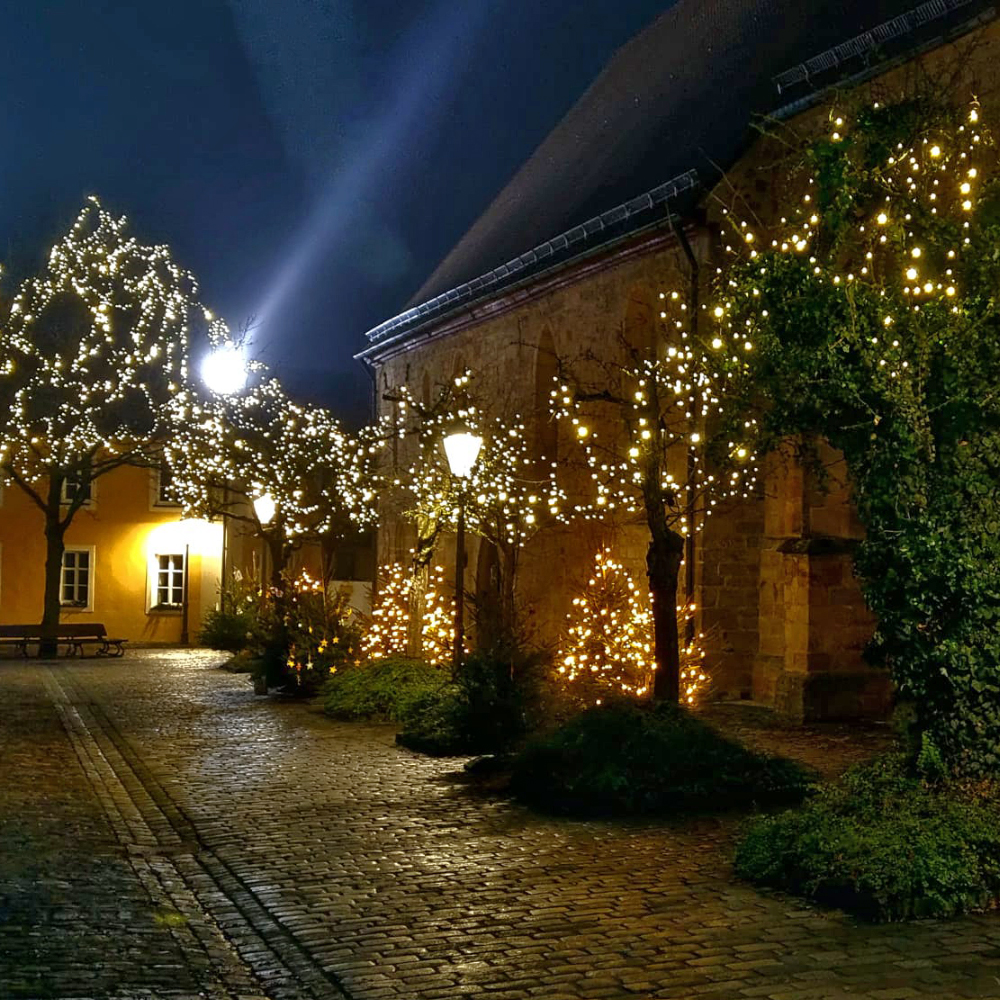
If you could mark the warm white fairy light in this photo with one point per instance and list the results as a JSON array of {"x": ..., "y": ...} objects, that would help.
[
  {"x": 388, "y": 631},
  {"x": 607, "y": 648}
]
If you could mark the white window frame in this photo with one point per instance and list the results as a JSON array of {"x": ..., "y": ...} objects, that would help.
[
  {"x": 91, "y": 573},
  {"x": 172, "y": 568},
  {"x": 66, "y": 499}
]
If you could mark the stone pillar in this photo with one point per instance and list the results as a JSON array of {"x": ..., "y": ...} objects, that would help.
[{"x": 813, "y": 622}]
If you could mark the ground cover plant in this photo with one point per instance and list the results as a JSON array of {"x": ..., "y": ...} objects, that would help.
[
  {"x": 483, "y": 710},
  {"x": 385, "y": 690},
  {"x": 885, "y": 843},
  {"x": 628, "y": 758}
]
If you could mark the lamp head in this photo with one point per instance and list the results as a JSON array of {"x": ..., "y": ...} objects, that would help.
[
  {"x": 224, "y": 370},
  {"x": 265, "y": 508},
  {"x": 462, "y": 447}
]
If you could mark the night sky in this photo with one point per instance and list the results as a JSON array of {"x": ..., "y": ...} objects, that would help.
[{"x": 310, "y": 160}]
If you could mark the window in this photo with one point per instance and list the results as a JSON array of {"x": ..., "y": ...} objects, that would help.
[
  {"x": 168, "y": 590},
  {"x": 76, "y": 486},
  {"x": 164, "y": 481},
  {"x": 76, "y": 583}
]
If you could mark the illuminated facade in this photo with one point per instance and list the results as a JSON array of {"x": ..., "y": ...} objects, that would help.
[
  {"x": 574, "y": 255},
  {"x": 131, "y": 561}
]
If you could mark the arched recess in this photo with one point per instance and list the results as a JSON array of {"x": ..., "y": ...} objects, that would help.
[
  {"x": 546, "y": 430},
  {"x": 488, "y": 597}
]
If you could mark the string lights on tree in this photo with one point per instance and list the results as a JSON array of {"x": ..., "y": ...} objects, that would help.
[
  {"x": 641, "y": 414},
  {"x": 868, "y": 316},
  {"x": 508, "y": 497},
  {"x": 93, "y": 373},
  {"x": 607, "y": 648},
  {"x": 242, "y": 452}
]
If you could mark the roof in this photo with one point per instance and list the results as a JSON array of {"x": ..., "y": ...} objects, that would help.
[{"x": 679, "y": 96}]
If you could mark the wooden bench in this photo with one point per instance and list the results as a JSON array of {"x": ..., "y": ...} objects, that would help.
[{"x": 74, "y": 636}]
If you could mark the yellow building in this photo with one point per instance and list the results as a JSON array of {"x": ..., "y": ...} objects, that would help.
[{"x": 132, "y": 562}]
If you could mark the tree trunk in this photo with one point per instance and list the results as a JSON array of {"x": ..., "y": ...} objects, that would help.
[
  {"x": 663, "y": 562},
  {"x": 426, "y": 540},
  {"x": 508, "y": 583},
  {"x": 55, "y": 531}
]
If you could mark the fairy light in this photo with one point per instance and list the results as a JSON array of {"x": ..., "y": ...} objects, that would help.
[
  {"x": 95, "y": 357},
  {"x": 388, "y": 631},
  {"x": 607, "y": 648},
  {"x": 262, "y": 443}
]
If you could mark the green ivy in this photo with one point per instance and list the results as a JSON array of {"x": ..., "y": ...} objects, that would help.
[{"x": 922, "y": 445}]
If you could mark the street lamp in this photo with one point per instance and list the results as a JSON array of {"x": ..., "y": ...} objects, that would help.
[
  {"x": 462, "y": 449},
  {"x": 224, "y": 371},
  {"x": 265, "y": 508}
]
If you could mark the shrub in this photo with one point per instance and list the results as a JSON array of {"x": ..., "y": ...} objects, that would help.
[
  {"x": 482, "y": 711},
  {"x": 883, "y": 844},
  {"x": 227, "y": 630},
  {"x": 383, "y": 690},
  {"x": 623, "y": 758}
]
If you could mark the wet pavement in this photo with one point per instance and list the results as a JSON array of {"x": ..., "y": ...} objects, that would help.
[{"x": 164, "y": 833}]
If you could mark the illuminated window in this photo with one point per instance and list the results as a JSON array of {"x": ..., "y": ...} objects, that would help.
[
  {"x": 169, "y": 585},
  {"x": 76, "y": 580},
  {"x": 76, "y": 487}
]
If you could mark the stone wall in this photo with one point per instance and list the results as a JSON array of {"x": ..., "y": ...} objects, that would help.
[{"x": 783, "y": 613}]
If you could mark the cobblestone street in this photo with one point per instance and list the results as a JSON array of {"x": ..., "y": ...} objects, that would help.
[{"x": 164, "y": 833}]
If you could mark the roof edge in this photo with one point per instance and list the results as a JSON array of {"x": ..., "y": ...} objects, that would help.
[{"x": 473, "y": 290}]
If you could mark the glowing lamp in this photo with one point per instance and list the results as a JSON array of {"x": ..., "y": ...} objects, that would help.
[
  {"x": 265, "y": 508},
  {"x": 224, "y": 370},
  {"x": 462, "y": 450}
]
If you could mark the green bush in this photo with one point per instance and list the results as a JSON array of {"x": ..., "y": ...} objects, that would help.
[
  {"x": 482, "y": 711},
  {"x": 227, "y": 630},
  {"x": 624, "y": 758},
  {"x": 883, "y": 844},
  {"x": 381, "y": 690}
]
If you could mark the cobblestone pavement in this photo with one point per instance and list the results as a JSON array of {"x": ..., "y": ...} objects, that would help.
[{"x": 165, "y": 834}]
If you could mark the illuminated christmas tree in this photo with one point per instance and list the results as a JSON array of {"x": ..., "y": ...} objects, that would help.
[
  {"x": 388, "y": 633},
  {"x": 608, "y": 645}
]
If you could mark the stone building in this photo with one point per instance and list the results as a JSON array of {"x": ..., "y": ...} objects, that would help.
[{"x": 577, "y": 248}]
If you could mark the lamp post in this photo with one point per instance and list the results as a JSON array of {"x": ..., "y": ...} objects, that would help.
[
  {"x": 264, "y": 508},
  {"x": 462, "y": 449},
  {"x": 224, "y": 371}
]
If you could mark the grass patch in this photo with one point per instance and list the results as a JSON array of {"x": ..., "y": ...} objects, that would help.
[
  {"x": 883, "y": 844},
  {"x": 382, "y": 691},
  {"x": 623, "y": 759}
]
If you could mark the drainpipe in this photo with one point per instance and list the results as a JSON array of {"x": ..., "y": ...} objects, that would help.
[{"x": 185, "y": 638}]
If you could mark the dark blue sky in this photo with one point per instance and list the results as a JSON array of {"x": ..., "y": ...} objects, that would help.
[{"x": 310, "y": 160}]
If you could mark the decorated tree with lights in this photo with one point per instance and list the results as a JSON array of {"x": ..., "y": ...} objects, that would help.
[
  {"x": 288, "y": 471},
  {"x": 639, "y": 413},
  {"x": 607, "y": 648},
  {"x": 873, "y": 312},
  {"x": 389, "y": 630},
  {"x": 93, "y": 373},
  {"x": 509, "y": 495}
]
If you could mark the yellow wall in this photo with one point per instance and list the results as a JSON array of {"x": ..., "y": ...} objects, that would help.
[{"x": 126, "y": 529}]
